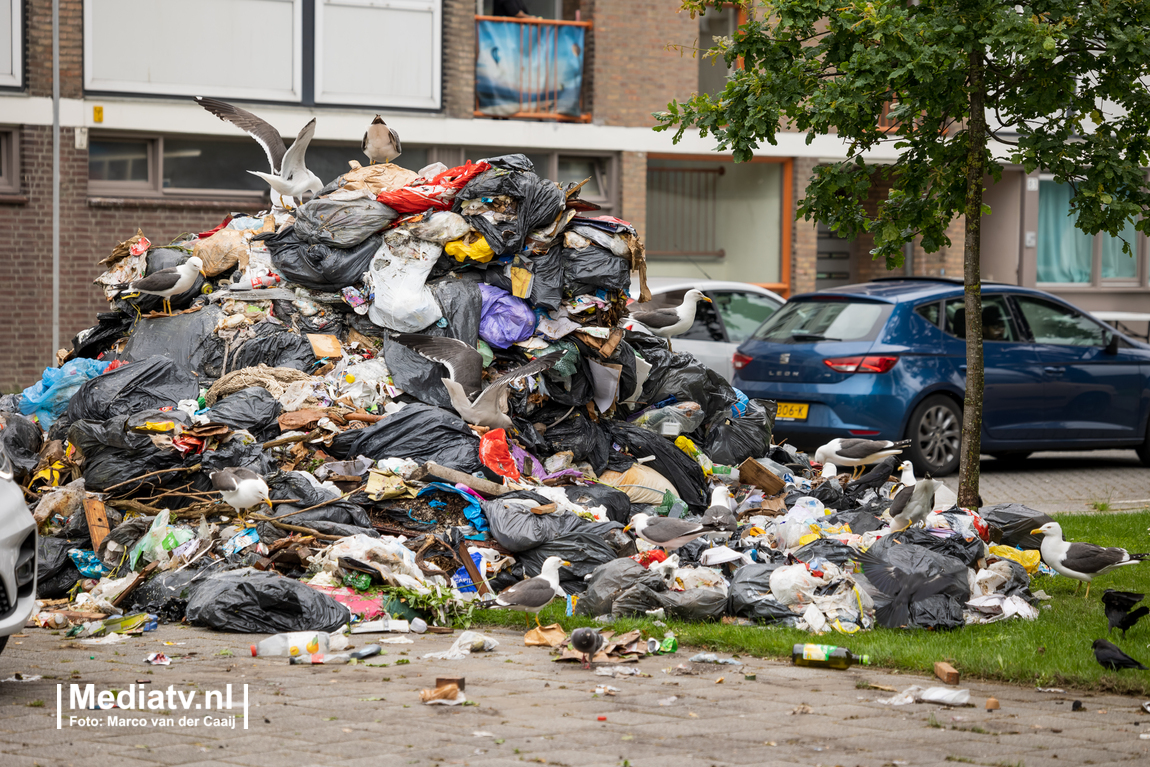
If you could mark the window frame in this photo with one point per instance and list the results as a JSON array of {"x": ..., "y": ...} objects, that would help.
[
  {"x": 1106, "y": 331},
  {"x": 153, "y": 187},
  {"x": 10, "y": 176},
  {"x": 1018, "y": 325},
  {"x": 16, "y": 79}
]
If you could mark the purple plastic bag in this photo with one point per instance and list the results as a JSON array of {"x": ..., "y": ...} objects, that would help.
[{"x": 504, "y": 319}]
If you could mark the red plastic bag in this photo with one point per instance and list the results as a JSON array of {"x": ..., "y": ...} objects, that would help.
[
  {"x": 495, "y": 454},
  {"x": 438, "y": 193}
]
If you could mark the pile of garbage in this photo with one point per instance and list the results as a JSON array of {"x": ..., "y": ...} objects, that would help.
[{"x": 383, "y": 503}]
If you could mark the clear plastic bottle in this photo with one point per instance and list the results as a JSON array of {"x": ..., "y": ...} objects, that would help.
[
  {"x": 293, "y": 644},
  {"x": 338, "y": 659},
  {"x": 826, "y": 656}
]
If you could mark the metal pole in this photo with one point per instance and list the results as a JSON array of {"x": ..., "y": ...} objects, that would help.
[{"x": 55, "y": 178}]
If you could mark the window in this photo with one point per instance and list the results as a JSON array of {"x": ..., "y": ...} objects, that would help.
[
  {"x": 1053, "y": 324},
  {"x": 803, "y": 322},
  {"x": 566, "y": 168},
  {"x": 713, "y": 73},
  {"x": 928, "y": 312},
  {"x": 9, "y": 161},
  {"x": 1067, "y": 255},
  {"x": 996, "y": 322},
  {"x": 11, "y": 43},
  {"x": 742, "y": 312}
]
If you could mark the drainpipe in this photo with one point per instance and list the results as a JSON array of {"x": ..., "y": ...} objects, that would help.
[{"x": 55, "y": 179}]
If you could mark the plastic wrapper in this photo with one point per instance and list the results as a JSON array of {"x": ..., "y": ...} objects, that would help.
[
  {"x": 21, "y": 440},
  {"x": 398, "y": 276},
  {"x": 222, "y": 251},
  {"x": 341, "y": 223},
  {"x": 794, "y": 585},
  {"x": 505, "y": 319},
  {"x": 670, "y": 461},
  {"x": 253, "y": 409},
  {"x": 419, "y": 432},
  {"x": 585, "y": 549},
  {"x": 1030, "y": 560},
  {"x": 610, "y": 580},
  {"x": 495, "y": 454},
  {"x": 252, "y": 602},
  {"x": 672, "y": 420},
  {"x": 48, "y": 398},
  {"x": 733, "y": 440},
  {"x": 1011, "y": 523},
  {"x": 438, "y": 192},
  {"x": 319, "y": 266}
]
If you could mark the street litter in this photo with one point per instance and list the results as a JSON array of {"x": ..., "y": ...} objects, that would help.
[
  {"x": 444, "y": 695},
  {"x": 158, "y": 659},
  {"x": 605, "y": 689},
  {"x": 617, "y": 672},
  {"x": 712, "y": 658},
  {"x": 467, "y": 643},
  {"x": 940, "y": 695}
]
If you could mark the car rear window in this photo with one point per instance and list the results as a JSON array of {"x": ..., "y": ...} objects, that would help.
[{"x": 803, "y": 322}]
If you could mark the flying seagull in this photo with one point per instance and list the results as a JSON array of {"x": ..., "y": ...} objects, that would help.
[
  {"x": 165, "y": 283},
  {"x": 479, "y": 406},
  {"x": 875, "y": 478},
  {"x": 1081, "y": 561},
  {"x": 240, "y": 488},
  {"x": 381, "y": 143},
  {"x": 289, "y": 176},
  {"x": 533, "y": 594},
  {"x": 858, "y": 452},
  {"x": 718, "y": 515},
  {"x": 912, "y": 504},
  {"x": 667, "y": 532},
  {"x": 589, "y": 642},
  {"x": 672, "y": 321},
  {"x": 1110, "y": 657},
  {"x": 902, "y": 588},
  {"x": 1119, "y": 613}
]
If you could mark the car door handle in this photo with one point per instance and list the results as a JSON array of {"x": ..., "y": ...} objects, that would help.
[
  {"x": 962, "y": 368},
  {"x": 1053, "y": 370}
]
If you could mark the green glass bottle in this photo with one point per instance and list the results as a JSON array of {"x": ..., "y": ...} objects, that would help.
[{"x": 826, "y": 656}]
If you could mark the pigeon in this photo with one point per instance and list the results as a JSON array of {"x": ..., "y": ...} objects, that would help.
[
  {"x": 1081, "y": 561},
  {"x": 289, "y": 176},
  {"x": 672, "y": 321},
  {"x": 667, "y": 532},
  {"x": 913, "y": 504},
  {"x": 902, "y": 588},
  {"x": 1111, "y": 658},
  {"x": 875, "y": 478},
  {"x": 165, "y": 283},
  {"x": 533, "y": 594},
  {"x": 240, "y": 488},
  {"x": 719, "y": 515},
  {"x": 478, "y": 406},
  {"x": 858, "y": 452},
  {"x": 381, "y": 143},
  {"x": 1118, "y": 609},
  {"x": 589, "y": 642}
]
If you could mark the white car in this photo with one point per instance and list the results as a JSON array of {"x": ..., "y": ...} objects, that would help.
[
  {"x": 735, "y": 311},
  {"x": 17, "y": 555}
]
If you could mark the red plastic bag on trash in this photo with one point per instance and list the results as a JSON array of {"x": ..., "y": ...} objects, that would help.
[
  {"x": 437, "y": 193},
  {"x": 495, "y": 454}
]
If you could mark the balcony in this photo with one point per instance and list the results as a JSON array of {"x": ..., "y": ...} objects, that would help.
[{"x": 530, "y": 69}]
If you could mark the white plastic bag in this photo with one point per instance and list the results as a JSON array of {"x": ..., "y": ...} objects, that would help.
[
  {"x": 468, "y": 642},
  {"x": 398, "y": 275},
  {"x": 793, "y": 585}
]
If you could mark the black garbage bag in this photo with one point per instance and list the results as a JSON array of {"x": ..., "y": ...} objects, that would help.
[
  {"x": 517, "y": 161},
  {"x": 145, "y": 385},
  {"x": 941, "y": 611},
  {"x": 462, "y": 305},
  {"x": 94, "y": 341},
  {"x": 610, "y": 580},
  {"x": 698, "y": 604},
  {"x": 670, "y": 461},
  {"x": 616, "y": 502},
  {"x": 588, "y": 267},
  {"x": 419, "y": 432},
  {"x": 585, "y": 439},
  {"x": 55, "y": 572},
  {"x": 166, "y": 258},
  {"x": 829, "y": 492},
  {"x": 274, "y": 346},
  {"x": 683, "y": 377},
  {"x": 319, "y": 266},
  {"x": 174, "y": 585},
  {"x": 517, "y": 529},
  {"x": 114, "y": 454},
  {"x": 126, "y": 534},
  {"x": 585, "y": 549},
  {"x": 537, "y": 201},
  {"x": 546, "y": 276},
  {"x": 860, "y": 520},
  {"x": 750, "y": 594},
  {"x": 292, "y": 485},
  {"x": 415, "y": 374},
  {"x": 965, "y": 550},
  {"x": 731, "y": 440},
  {"x": 1011, "y": 523},
  {"x": 1019, "y": 583},
  {"x": 636, "y": 599},
  {"x": 253, "y": 409},
  {"x": 341, "y": 223},
  {"x": 833, "y": 551},
  {"x": 253, "y": 602},
  {"x": 189, "y": 340},
  {"x": 21, "y": 440}
]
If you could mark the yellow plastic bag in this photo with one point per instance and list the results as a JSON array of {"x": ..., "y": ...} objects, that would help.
[
  {"x": 1029, "y": 558},
  {"x": 462, "y": 250}
]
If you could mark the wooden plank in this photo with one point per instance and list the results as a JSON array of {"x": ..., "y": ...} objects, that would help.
[
  {"x": 472, "y": 571},
  {"x": 140, "y": 578},
  {"x": 97, "y": 518},
  {"x": 754, "y": 473},
  {"x": 946, "y": 672}
]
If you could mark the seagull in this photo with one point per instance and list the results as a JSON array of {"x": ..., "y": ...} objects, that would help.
[
  {"x": 533, "y": 594},
  {"x": 289, "y": 176},
  {"x": 1081, "y": 561},
  {"x": 240, "y": 488},
  {"x": 907, "y": 478},
  {"x": 166, "y": 283},
  {"x": 589, "y": 642},
  {"x": 718, "y": 515},
  {"x": 902, "y": 588},
  {"x": 1110, "y": 657},
  {"x": 1118, "y": 609},
  {"x": 667, "y": 532},
  {"x": 482, "y": 407},
  {"x": 858, "y": 452},
  {"x": 381, "y": 143},
  {"x": 672, "y": 321},
  {"x": 913, "y": 504},
  {"x": 875, "y": 478}
]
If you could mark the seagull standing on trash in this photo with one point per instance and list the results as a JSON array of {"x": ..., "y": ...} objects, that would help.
[
  {"x": 240, "y": 488},
  {"x": 913, "y": 504},
  {"x": 533, "y": 594},
  {"x": 1081, "y": 561},
  {"x": 589, "y": 642},
  {"x": 666, "y": 532},
  {"x": 464, "y": 363},
  {"x": 1119, "y": 612},
  {"x": 381, "y": 143},
  {"x": 858, "y": 452},
  {"x": 289, "y": 175},
  {"x": 719, "y": 515},
  {"x": 165, "y": 283},
  {"x": 670, "y": 322},
  {"x": 1110, "y": 657}
]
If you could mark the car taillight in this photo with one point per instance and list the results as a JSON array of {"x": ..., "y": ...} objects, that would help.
[
  {"x": 869, "y": 364},
  {"x": 740, "y": 361}
]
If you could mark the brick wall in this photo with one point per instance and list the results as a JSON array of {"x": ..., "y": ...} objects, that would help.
[
  {"x": 804, "y": 234},
  {"x": 39, "y": 48},
  {"x": 633, "y": 190},
  {"x": 459, "y": 58}
]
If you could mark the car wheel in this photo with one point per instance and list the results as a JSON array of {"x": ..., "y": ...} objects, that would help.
[
  {"x": 1011, "y": 457},
  {"x": 935, "y": 434}
]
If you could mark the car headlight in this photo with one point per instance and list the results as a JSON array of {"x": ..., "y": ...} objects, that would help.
[{"x": 26, "y": 561}]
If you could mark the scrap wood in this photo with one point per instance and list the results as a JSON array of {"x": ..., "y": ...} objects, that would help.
[
  {"x": 97, "y": 519},
  {"x": 293, "y": 438},
  {"x": 141, "y": 576},
  {"x": 451, "y": 476},
  {"x": 194, "y": 467}
]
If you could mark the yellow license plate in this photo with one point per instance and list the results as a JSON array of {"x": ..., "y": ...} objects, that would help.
[{"x": 792, "y": 411}]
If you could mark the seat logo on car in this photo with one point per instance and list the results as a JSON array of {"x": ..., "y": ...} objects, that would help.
[{"x": 784, "y": 359}]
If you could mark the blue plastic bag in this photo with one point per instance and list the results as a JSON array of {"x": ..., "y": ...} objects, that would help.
[
  {"x": 47, "y": 399},
  {"x": 504, "y": 319},
  {"x": 473, "y": 510},
  {"x": 87, "y": 563}
]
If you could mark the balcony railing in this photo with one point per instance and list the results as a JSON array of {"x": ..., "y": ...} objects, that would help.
[{"x": 530, "y": 68}]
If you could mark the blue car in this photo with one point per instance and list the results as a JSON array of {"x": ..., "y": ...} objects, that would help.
[{"x": 887, "y": 360}]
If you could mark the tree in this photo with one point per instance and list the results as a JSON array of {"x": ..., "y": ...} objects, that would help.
[{"x": 1063, "y": 83}]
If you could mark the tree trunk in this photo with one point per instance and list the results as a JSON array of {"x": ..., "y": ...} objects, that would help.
[{"x": 972, "y": 268}]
